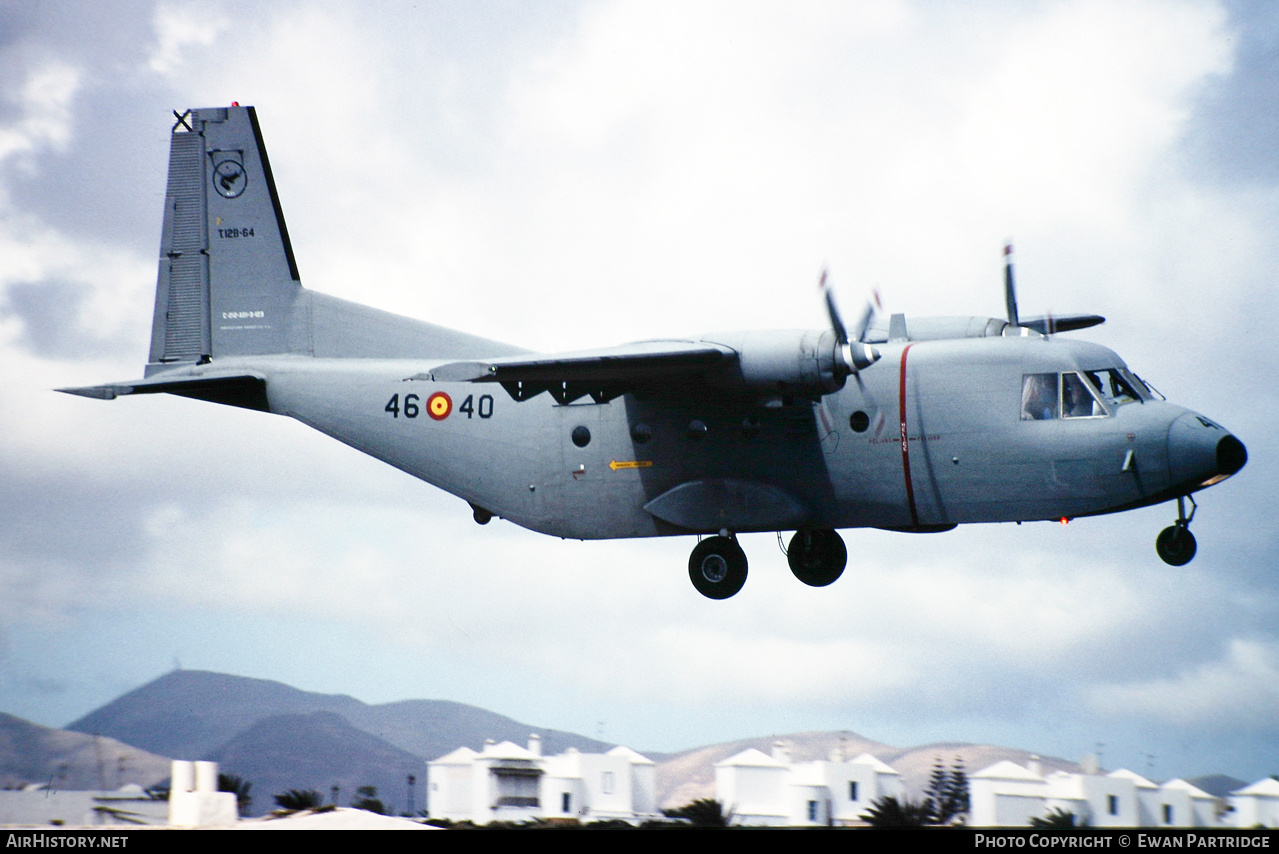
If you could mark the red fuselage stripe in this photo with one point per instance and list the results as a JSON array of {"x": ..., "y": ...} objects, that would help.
[{"x": 901, "y": 409}]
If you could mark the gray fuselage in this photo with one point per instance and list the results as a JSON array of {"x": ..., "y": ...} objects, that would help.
[{"x": 967, "y": 454}]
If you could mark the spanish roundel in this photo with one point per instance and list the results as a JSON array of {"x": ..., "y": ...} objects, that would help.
[{"x": 439, "y": 405}]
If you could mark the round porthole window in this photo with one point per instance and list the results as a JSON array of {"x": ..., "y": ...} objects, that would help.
[
  {"x": 859, "y": 421},
  {"x": 581, "y": 436},
  {"x": 641, "y": 433}
]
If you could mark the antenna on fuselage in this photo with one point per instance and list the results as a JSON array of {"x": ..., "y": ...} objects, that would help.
[{"x": 1010, "y": 288}]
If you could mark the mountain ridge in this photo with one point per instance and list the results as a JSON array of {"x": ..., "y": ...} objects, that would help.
[{"x": 338, "y": 740}]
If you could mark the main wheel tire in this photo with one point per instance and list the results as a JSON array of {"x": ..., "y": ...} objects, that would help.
[
  {"x": 1176, "y": 545},
  {"x": 717, "y": 567},
  {"x": 817, "y": 557}
]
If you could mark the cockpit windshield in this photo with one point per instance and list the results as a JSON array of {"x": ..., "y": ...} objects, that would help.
[{"x": 1117, "y": 387}]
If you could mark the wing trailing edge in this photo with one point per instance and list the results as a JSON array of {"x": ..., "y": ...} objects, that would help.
[{"x": 602, "y": 374}]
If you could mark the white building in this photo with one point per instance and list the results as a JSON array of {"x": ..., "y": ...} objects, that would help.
[
  {"x": 1009, "y": 795},
  {"x": 44, "y": 805},
  {"x": 1257, "y": 804},
  {"x": 758, "y": 789},
  {"x": 506, "y": 782},
  {"x": 194, "y": 801}
]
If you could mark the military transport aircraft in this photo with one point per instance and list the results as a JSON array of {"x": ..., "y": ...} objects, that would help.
[{"x": 917, "y": 426}]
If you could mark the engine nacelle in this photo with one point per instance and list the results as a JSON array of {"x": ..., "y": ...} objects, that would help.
[{"x": 802, "y": 362}]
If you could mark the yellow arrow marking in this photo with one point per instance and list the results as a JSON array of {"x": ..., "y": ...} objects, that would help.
[{"x": 630, "y": 464}]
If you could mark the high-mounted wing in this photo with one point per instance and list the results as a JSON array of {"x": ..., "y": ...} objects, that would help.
[{"x": 603, "y": 374}]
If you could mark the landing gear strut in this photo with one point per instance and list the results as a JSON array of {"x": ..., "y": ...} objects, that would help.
[
  {"x": 1176, "y": 545},
  {"x": 717, "y": 567},
  {"x": 817, "y": 556}
]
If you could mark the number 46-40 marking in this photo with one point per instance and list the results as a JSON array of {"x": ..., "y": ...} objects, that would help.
[{"x": 439, "y": 406}]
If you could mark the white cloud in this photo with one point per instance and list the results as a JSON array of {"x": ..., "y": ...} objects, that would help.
[
  {"x": 45, "y": 101},
  {"x": 180, "y": 27},
  {"x": 1240, "y": 688}
]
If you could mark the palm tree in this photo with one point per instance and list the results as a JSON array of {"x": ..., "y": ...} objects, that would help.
[
  {"x": 239, "y": 787},
  {"x": 366, "y": 799},
  {"x": 298, "y": 799},
  {"x": 703, "y": 812},
  {"x": 1058, "y": 817},
  {"x": 890, "y": 812}
]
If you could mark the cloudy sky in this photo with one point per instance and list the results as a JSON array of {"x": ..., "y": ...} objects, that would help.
[{"x": 566, "y": 175}]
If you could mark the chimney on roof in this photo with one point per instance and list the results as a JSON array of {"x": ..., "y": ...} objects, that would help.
[
  {"x": 535, "y": 744},
  {"x": 1036, "y": 767},
  {"x": 780, "y": 753}
]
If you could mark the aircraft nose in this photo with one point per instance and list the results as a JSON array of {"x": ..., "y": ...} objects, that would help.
[{"x": 1201, "y": 452}]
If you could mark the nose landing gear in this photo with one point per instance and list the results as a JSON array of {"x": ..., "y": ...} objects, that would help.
[
  {"x": 717, "y": 567},
  {"x": 1176, "y": 545}
]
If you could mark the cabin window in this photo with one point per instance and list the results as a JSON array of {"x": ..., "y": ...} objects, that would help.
[
  {"x": 1167, "y": 813},
  {"x": 1112, "y": 804}
]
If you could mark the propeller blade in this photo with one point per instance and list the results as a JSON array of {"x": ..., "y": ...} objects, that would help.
[
  {"x": 836, "y": 323},
  {"x": 1010, "y": 288},
  {"x": 868, "y": 314},
  {"x": 1065, "y": 323},
  {"x": 855, "y": 354}
]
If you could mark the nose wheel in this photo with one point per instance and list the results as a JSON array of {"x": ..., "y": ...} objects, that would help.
[
  {"x": 817, "y": 556},
  {"x": 1176, "y": 545},
  {"x": 717, "y": 567}
]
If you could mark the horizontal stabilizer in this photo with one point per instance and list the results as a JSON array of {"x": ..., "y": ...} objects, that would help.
[{"x": 247, "y": 391}]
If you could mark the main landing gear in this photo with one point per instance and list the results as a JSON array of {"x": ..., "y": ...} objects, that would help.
[
  {"x": 817, "y": 556},
  {"x": 717, "y": 566},
  {"x": 1176, "y": 545}
]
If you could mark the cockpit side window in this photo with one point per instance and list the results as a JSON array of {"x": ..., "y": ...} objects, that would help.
[
  {"x": 1066, "y": 395},
  {"x": 1038, "y": 397}
]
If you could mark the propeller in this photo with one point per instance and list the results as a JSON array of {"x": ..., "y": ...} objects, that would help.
[
  {"x": 855, "y": 353},
  {"x": 1043, "y": 325},
  {"x": 1010, "y": 287}
]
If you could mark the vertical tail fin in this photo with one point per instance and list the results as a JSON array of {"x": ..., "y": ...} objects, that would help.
[{"x": 227, "y": 282}]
